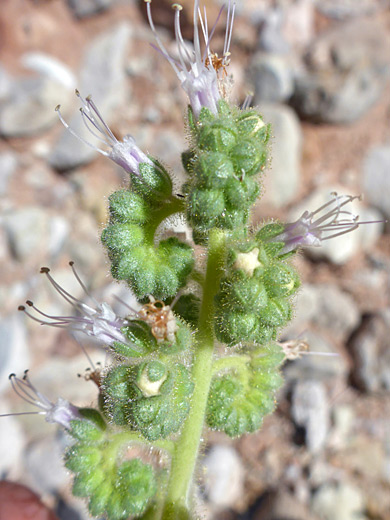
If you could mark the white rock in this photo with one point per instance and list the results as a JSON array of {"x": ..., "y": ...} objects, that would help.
[
  {"x": 14, "y": 354},
  {"x": 27, "y": 231},
  {"x": 224, "y": 476},
  {"x": 12, "y": 442},
  {"x": 283, "y": 175},
  {"x": 50, "y": 67},
  {"x": 338, "y": 502},
  {"x": 310, "y": 410}
]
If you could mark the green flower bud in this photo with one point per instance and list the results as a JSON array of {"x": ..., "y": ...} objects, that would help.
[
  {"x": 242, "y": 293},
  {"x": 248, "y": 157},
  {"x": 158, "y": 416},
  {"x": 81, "y": 456},
  {"x": 213, "y": 169},
  {"x": 127, "y": 206},
  {"x": 154, "y": 182},
  {"x": 122, "y": 237},
  {"x": 281, "y": 280},
  {"x": 251, "y": 124},
  {"x": 276, "y": 313},
  {"x": 241, "y": 193},
  {"x": 151, "y": 377},
  {"x": 205, "y": 206},
  {"x": 219, "y": 135}
]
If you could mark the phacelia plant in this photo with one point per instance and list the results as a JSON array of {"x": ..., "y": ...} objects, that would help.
[{"x": 188, "y": 359}]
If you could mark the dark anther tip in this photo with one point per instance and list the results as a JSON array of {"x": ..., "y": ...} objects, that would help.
[
  {"x": 57, "y": 108},
  {"x": 21, "y": 308},
  {"x": 29, "y": 303},
  {"x": 44, "y": 270},
  {"x": 71, "y": 263},
  {"x": 11, "y": 376}
]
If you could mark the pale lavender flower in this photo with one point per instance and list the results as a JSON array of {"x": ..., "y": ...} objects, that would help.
[
  {"x": 328, "y": 221},
  {"x": 125, "y": 153},
  {"x": 198, "y": 71},
  {"x": 61, "y": 412},
  {"x": 99, "y": 321}
]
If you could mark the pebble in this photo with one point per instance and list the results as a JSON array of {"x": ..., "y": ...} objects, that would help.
[
  {"x": 14, "y": 352},
  {"x": 310, "y": 411},
  {"x": 12, "y": 442},
  {"x": 376, "y": 178},
  {"x": 49, "y": 67},
  {"x": 27, "y": 230},
  {"x": 85, "y": 8},
  {"x": 338, "y": 502},
  {"x": 272, "y": 78},
  {"x": 58, "y": 234},
  {"x": 370, "y": 349},
  {"x": 346, "y": 71},
  {"x": 20, "y": 503},
  {"x": 280, "y": 505},
  {"x": 284, "y": 173},
  {"x": 102, "y": 76},
  {"x": 30, "y": 107},
  {"x": 326, "y": 306},
  {"x": 8, "y": 164},
  {"x": 44, "y": 464},
  {"x": 5, "y": 84},
  {"x": 224, "y": 476}
]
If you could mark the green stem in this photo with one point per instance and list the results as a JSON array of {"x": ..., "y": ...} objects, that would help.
[
  {"x": 187, "y": 446},
  {"x": 174, "y": 205}
]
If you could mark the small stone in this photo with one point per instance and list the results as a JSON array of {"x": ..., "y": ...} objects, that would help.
[
  {"x": 14, "y": 353},
  {"x": 44, "y": 464},
  {"x": 346, "y": 71},
  {"x": 326, "y": 306},
  {"x": 280, "y": 505},
  {"x": 224, "y": 477},
  {"x": 59, "y": 232},
  {"x": 370, "y": 349},
  {"x": 336, "y": 312},
  {"x": 272, "y": 78},
  {"x": 50, "y": 67},
  {"x": 284, "y": 173},
  {"x": 102, "y": 76},
  {"x": 84, "y": 8},
  {"x": 20, "y": 503},
  {"x": 338, "y": 502},
  {"x": 310, "y": 411},
  {"x": 12, "y": 442},
  {"x": 8, "y": 164},
  {"x": 5, "y": 84},
  {"x": 27, "y": 230},
  {"x": 376, "y": 178},
  {"x": 30, "y": 107}
]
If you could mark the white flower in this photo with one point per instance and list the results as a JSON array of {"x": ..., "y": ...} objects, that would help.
[
  {"x": 198, "y": 71},
  {"x": 125, "y": 153}
]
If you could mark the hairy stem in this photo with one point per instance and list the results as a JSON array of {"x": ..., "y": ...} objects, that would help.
[{"x": 187, "y": 447}]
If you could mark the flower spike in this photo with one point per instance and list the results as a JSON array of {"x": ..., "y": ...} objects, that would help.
[
  {"x": 62, "y": 412},
  {"x": 197, "y": 71},
  {"x": 99, "y": 321},
  {"x": 125, "y": 153},
  {"x": 328, "y": 221}
]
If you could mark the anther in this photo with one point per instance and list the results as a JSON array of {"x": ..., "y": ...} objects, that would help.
[
  {"x": 11, "y": 376},
  {"x": 21, "y": 308},
  {"x": 29, "y": 303},
  {"x": 44, "y": 270},
  {"x": 71, "y": 263},
  {"x": 177, "y": 7},
  {"x": 57, "y": 108}
]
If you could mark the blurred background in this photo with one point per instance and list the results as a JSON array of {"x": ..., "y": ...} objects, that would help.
[{"x": 319, "y": 71}]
